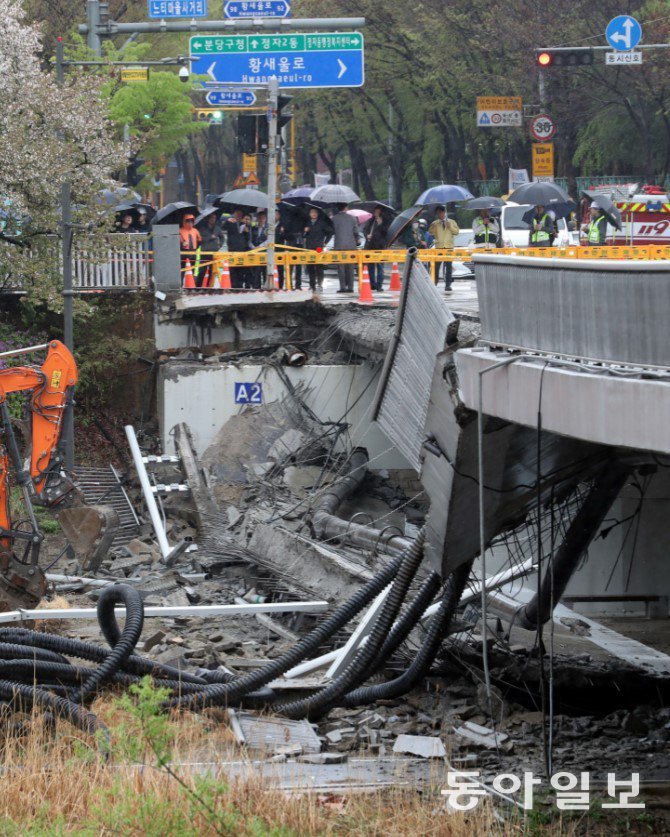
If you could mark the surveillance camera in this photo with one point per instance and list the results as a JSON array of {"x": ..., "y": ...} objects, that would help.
[{"x": 184, "y": 74}]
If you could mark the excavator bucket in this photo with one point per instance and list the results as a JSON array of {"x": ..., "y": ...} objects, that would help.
[
  {"x": 90, "y": 531},
  {"x": 21, "y": 585}
]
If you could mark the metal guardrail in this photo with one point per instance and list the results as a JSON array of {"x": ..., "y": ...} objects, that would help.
[
  {"x": 614, "y": 312},
  {"x": 126, "y": 267}
]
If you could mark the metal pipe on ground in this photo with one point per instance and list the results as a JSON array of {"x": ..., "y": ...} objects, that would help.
[
  {"x": 328, "y": 526},
  {"x": 583, "y": 529}
]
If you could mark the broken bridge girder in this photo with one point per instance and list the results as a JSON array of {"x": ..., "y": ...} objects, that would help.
[{"x": 582, "y": 530}]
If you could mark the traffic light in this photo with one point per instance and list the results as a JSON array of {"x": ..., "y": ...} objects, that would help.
[
  {"x": 247, "y": 133},
  {"x": 564, "y": 57},
  {"x": 283, "y": 118},
  {"x": 211, "y": 115}
]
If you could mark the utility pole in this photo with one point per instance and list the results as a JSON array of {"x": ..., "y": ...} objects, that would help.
[
  {"x": 273, "y": 108},
  {"x": 94, "y": 20},
  {"x": 66, "y": 252}
]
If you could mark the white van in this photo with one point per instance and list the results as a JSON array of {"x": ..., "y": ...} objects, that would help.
[{"x": 515, "y": 232}]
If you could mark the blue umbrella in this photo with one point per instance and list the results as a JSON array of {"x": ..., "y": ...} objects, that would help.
[
  {"x": 444, "y": 193},
  {"x": 299, "y": 195}
]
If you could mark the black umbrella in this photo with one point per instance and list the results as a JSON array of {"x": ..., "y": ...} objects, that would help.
[
  {"x": 401, "y": 222},
  {"x": 211, "y": 210},
  {"x": 485, "y": 202},
  {"x": 135, "y": 209},
  {"x": 560, "y": 210},
  {"x": 172, "y": 213},
  {"x": 243, "y": 199},
  {"x": 539, "y": 194},
  {"x": 388, "y": 212},
  {"x": 609, "y": 209}
]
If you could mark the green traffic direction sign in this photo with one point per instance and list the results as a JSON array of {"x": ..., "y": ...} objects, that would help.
[{"x": 312, "y": 42}]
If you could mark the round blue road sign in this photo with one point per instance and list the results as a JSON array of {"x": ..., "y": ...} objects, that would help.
[{"x": 623, "y": 33}]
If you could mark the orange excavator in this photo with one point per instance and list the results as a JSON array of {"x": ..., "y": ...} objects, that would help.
[{"x": 42, "y": 480}]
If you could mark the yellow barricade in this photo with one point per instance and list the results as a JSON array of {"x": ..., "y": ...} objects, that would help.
[{"x": 288, "y": 256}]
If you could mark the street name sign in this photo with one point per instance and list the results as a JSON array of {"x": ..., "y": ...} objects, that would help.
[
  {"x": 625, "y": 58},
  {"x": 231, "y": 98},
  {"x": 623, "y": 33},
  {"x": 256, "y": 8},
  {"x": 542, "y": 127},
  {"x": 160, "y": 9},
  {"x": 499, "y": 111},
  {"x": 316, "y": 59}
]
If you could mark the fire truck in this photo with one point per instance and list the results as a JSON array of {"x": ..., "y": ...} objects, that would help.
[{"x": 645, "y": 219}]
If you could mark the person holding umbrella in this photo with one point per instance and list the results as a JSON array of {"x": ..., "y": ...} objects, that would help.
[
  {"x": 238, "y": 238},
  {"x": 443, "y": 230},
  {"x": 596, "y": 228},
  {"x": 486, "y": 229},
  {"x": 190, "y": 242},
  {"x": 542, "y": 228},
  {"x": 316, "y": 233},
  {"x": 210, "y": 231},
  {"x": 375, "y": 232},
  {"x": 347, "y": 237}
]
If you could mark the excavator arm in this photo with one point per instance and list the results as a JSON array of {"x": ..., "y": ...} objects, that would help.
[{"x": 45, "y": 482}]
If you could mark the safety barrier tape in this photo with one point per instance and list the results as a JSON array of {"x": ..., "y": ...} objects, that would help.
[{"x": 293, "y": 256}]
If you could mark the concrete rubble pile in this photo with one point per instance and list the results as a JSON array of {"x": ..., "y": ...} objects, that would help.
[{"x": 265, "y": 472}]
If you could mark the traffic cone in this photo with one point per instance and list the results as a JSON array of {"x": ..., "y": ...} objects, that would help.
[
  {"x": 224, "y": 277},
  {"x": 364, "y": 289},
  {"x": 276, "y": 278},
  {"x": 395, "y": 278},
  {"x": 206, "y": 282},
  {"x": 189, "y": 280}
]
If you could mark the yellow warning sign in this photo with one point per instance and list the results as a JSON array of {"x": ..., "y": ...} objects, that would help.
[
  {"x": 135, "y": 74},
  {"x": 240, "y": 182},
  {"x": 252, "y": 180},
  {"x": 499, "y": 103},
  {"x": 543, "y": 159},
  {"x": 248, "y": 163}
]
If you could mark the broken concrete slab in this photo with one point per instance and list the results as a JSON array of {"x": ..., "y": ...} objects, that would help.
[
  {"x": 427, "y": 747},
  {"x": 322, "y": 572},
  {"x": 480, "y": 736},
  {"x": 270, "y": 734}
]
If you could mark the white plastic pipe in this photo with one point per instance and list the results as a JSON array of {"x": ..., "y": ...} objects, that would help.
[
  {"x": 199, "y": 611},
  {"x": 147, "y": 491}
]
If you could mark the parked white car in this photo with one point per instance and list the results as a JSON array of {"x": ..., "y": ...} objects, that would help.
[{"x": 515, "y": 232}]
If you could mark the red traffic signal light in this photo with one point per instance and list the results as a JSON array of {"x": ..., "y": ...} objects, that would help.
[{"x": 564, "y": 57}]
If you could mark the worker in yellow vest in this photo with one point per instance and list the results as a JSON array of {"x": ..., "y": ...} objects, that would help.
[
  {"x": 596, "y": 229},
  {"x": 542, "y": 229}
]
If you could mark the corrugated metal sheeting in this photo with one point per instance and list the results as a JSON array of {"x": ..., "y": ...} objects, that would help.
[
  {"x": 402, "y": 398},
  {"x": 613, "y": 312}
]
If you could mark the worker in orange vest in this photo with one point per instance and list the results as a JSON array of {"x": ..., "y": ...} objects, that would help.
[{"x": 190, "y": 242}]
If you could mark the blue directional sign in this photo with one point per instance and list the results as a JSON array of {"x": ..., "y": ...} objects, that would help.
[
  {"x": 257, "y": 8},
  {"x": 623, "y": 33},
  {"x": 177, "y": 8},
  {"x": 328, "y": 59},
  {"x": 231, "y": 98}
]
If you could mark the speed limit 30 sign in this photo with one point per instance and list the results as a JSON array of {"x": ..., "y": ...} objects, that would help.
[{"x": 542, "y": 127}]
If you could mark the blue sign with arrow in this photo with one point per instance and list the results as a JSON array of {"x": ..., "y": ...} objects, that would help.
[
  {"x": 231, "y": 98},
  {"x": 159, "y": 9},
  {"x": 315, "y": 59},
  {"x": 623, "y": 33},
  {"x": 257, "y": 8}
]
